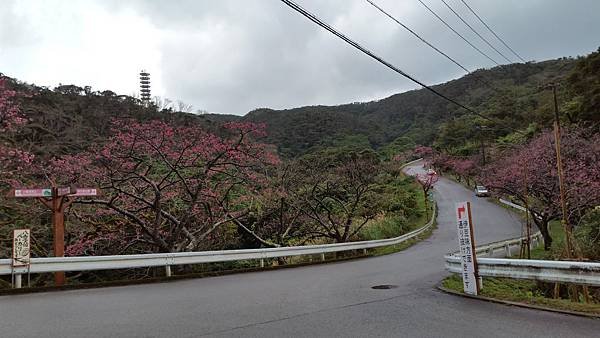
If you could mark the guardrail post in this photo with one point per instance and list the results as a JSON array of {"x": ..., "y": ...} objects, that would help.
[
  {"x": 365, "y": 252},
  {"x": 18, "y": 281},
  {"x": 168, "y": 270},
  {"x": 507, "y": 249},
  {"x": 490, "y": 252},
  {"x": 322, "y": 257},
  {"x": 262, "y": 262}
]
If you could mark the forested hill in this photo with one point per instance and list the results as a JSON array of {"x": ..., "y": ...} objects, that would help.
[
  {"x": 510, "y": 93},
  {"x": 69, "y": 118}
]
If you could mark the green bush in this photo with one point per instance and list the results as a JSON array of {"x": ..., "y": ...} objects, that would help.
[
  {"x": 391, "y": 226},
  {"x": 587, "y": 235}
]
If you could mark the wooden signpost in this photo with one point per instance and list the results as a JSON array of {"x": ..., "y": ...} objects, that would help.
[
  {"x": 466, "y": 241},
  {"x": 57, "y": 200}
]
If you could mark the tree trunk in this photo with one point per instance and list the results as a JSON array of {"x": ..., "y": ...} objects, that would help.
[{"x": 542, "y": 225}]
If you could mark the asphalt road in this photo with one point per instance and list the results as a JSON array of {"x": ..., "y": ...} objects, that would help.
[{"x": 332, "y": 300}]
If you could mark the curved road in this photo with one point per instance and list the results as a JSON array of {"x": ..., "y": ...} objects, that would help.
[{"x": 322, "y": 300}]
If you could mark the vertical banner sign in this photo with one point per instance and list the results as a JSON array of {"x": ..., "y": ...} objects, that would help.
[
  {"x": 21, "y": 247},
  {"x": 467, "y": 248}
]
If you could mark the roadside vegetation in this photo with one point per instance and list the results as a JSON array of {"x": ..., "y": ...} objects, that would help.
[
  {"x": 521, "y": 166},
  {"x": 168, "y": 186},
  {"x": 533, "y": 292},
  {"x": 174, "y": 182}
]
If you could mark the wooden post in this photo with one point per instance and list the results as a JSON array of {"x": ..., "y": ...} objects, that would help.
[
  {"x": 58, "y": 228},
  {"x": 59, "y": 200},
  {"x": 478, "y": 280}
]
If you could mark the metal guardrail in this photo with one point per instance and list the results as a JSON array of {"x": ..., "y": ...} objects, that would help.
[
  {"x": 86, "y": 263},
  {"x": 506, "y": 246},
  {"x": 585, "y": 273},
  {"x": 511, "y": 204}
]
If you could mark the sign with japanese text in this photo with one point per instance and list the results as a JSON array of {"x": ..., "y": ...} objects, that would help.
[
  {"x": 21, "y": 247},
  {"x": 61, "y": 191},
  {"x": 467, "y": 248},
  {"x": 84, "y": 192},
  {"x": 47, "y": 192}
]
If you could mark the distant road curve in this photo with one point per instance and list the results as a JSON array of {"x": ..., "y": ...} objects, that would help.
[{"x": 331, "y": 300}]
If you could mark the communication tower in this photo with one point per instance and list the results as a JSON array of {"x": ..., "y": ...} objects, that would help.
[{"x": 145, "y": 87}]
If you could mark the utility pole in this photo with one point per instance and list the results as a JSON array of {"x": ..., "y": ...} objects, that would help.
[
  {"x": 482, "y": 152},
  {"x": 481, "y": 132},
  {"x": 561, "y": 180},
  {"x": 526, "y": 244},
  {"x": 570, "y": 245}
]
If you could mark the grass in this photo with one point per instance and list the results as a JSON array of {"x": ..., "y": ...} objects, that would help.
[
  {"x": 386, "y": 250},
  {"x": 526, "y": 291},
  {"x": 521, "y": 291},
  {"x": 392, "y": 227}
]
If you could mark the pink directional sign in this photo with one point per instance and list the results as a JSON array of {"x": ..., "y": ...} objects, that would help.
[
  {"x": 85, "y": 192},
  {"x": 63, "y": 191},
  {"x": 46, "y": 192}
]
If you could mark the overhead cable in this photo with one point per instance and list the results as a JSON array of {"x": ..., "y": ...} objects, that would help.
[
  {"x": 476, "y": 32},
  {"x": 418, "y": 36},
  {"x": 491, "y": 30},
  {"x": 478, "y": 77},
  {"x": 457, "y": 33},
  {"x": 354, "y": 44}
]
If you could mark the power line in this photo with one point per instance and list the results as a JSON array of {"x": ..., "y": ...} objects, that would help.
[
  {"x": 478, "y": 77},
  {"x": 474, "y": 31},
  {"x": 490, "y": 29},
  {"x": 354, "y": 44},
  {"x": 418, "y": 36},
  {"x": 457, "y": 33}
]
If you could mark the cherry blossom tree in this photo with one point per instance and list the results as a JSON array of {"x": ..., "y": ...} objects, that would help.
[
  {"x": 423, "y": 151},
  {"x": 463, "y": 168},
  {"x": 172, "y": 188},
  {"x": 338, "y": 196},
  {"x": 442, "y": 163},
  {"x": 277, "y": 217},
  {"x": 12, "y": 158},
  {"x": 530, "y": 173},
  {"x": 427, "y": 181},
  {"x": 395, "y": 166}
]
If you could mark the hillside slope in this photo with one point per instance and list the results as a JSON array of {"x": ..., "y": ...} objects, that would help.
[
  {"x": 69, "y": 118},
  {"x": 513, "y": 97}
]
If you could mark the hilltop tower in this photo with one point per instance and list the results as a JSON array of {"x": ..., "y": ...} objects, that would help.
[{"x": 145, "y": 87}]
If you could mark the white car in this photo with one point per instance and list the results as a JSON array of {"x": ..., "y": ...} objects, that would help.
[{"x": 481, "y": 191}]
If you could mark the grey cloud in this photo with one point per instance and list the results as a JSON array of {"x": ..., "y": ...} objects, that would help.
[{"x": 232, "y": 56}]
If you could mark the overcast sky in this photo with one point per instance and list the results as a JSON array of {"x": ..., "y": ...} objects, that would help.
[{"x": 234, "y": 56}]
